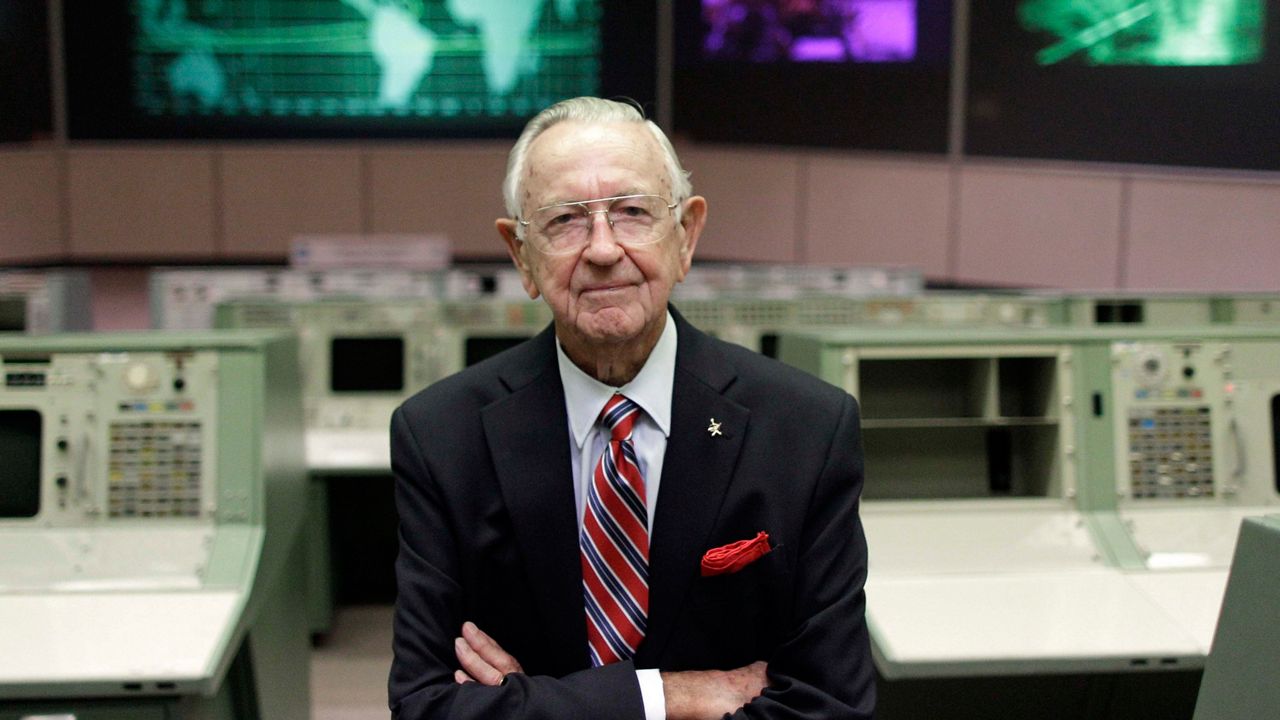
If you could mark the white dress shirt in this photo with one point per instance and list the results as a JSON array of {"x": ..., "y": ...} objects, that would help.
[{"x": 584, "y": 398}]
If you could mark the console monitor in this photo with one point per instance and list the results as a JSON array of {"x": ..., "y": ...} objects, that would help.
[{"x": 362, "y": 357}]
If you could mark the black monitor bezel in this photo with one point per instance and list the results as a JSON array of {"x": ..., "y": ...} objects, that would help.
[
  {"x": 26, "y": 86},
  {"x": 869, "y": 106},
  {"x": 1213, "y": 117}
]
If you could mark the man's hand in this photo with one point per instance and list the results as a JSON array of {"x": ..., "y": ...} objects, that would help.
[
  {"x": 710, "y": 694},
  {"x": 690, "y": 695},
  {"x": 482, "y": 659}
]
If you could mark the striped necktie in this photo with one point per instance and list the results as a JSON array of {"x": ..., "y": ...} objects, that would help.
[{"x": 615, "y": 543}]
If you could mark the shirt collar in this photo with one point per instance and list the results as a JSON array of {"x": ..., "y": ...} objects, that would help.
[{"x": 585, "y": 396}]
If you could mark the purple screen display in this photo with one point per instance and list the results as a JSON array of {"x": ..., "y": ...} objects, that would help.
[{"x": 765, "y": 31}]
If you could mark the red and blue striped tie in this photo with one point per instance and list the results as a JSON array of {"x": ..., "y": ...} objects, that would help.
[{"x": 615, "y": 543}]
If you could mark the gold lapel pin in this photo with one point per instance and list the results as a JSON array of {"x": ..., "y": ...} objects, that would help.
[{"x": 714, "y": 428}]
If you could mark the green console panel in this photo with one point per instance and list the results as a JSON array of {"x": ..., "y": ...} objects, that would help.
[
  {"x": 151, "y": 504},
  {"x": 1239, "y": 677},
  {"x": 1053, "y": 499}
]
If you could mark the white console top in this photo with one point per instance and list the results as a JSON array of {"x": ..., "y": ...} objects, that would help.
[
  {"x": 60, "y": 641},
  {"x": 139, "y": 556},
  {"x": 1019, "y": 623},
  {"x": 348, "y": 450},
  {"x": 1191, "y": 597},
  {"x": 925, "y": 538},
  {"x": 958, "y": 588},
  {"x": 1202, "y": 536}
]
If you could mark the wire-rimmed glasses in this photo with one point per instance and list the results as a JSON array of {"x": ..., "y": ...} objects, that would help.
[{"x": 563, "y": 228}]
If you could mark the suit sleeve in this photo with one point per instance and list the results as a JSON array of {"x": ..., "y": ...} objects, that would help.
[
  {"x": 823, "y": 667},
  {"x": 429, "y": 615}
]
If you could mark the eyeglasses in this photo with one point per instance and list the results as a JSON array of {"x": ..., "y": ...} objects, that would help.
[{"x": 564, "y": 228}]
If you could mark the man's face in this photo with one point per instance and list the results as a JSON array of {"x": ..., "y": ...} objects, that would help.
[{"x": 605, "y": 293}]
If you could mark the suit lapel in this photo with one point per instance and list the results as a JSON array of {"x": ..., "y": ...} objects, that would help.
[
  {"x": 696, "y": 473},
  {"x": 528, "y": 437}
]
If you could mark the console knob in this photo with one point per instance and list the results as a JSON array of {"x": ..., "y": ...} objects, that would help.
[{"x": 140, "y": 377}]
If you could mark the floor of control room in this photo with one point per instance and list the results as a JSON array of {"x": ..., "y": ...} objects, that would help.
[{"x": 349, "y": 669}]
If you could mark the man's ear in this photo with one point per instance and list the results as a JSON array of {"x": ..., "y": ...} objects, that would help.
[
  {"x": 692, "y": 219},
  {"x": 516, "y": 248}
]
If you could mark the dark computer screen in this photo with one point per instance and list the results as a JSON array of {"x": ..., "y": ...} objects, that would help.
[
  {"x": 868, "y": 74},
  {"x": 1183, "y": 82},
  {"x": 834, "y": 31},
  {"x": 346, "y": 68},
  {"x": 20, "y": 438},
  {"x": 1275, "y": 441},
  {"x": 481, "y": 347},
  {"x": 13, "y": 314},
  {"x": 26, "y": 99},
  {"x": 366, "y": 364}
]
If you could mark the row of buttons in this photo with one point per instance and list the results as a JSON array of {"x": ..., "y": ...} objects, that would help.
[
  {"x": 1190, "y": 492},
  {"x": 1168, "y": 394},
  {"x": 163, "y": 494},
  {"x": 158, "y": 407},
  {"x": 189, "y": 509}
]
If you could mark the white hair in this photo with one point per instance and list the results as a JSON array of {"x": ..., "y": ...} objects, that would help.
[{"x": 594, "y": 111}]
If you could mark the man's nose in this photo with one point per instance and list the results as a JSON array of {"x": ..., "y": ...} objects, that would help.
[
  {"x": 603, "y": 214},
  {"x": 602, "y": 244}
]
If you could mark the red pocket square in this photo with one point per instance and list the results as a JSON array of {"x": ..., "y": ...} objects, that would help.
[{"x": 736, "y": 555}]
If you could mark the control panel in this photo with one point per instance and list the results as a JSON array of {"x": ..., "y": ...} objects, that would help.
[
  {"x": 152, "y": 497},
  {"x": 756, "y": 322},
  {"x": 1057, "y": 479},
  {"x": 108, "y": 436},
  {"x": 1173, "y": 415},
  {"x": 187, "y": 298}
]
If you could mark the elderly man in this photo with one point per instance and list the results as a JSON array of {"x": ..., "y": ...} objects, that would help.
[{"x": 624, "y": 517}]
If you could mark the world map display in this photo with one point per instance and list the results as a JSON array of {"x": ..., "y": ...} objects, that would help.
[{"x": 363, "y": 58}]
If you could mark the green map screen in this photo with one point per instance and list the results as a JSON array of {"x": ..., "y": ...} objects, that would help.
[
  {"x": 1147, "y": 32},
  {"x": 338, "y": 67}
]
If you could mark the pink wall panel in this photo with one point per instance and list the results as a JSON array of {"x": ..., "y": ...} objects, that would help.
[
  {"x": 133, "y": 202},
  {"x": 1006, "y": 223},
  {"x": 1040, "y": 228},
  {"x": 270, "y": 194},
  {"x": 30, "y": 207},
  {"x": 877, "y": 212},
  {"x": 751, "y": 200},
  {"x": 455, "y": 189},
  {"x": 120, "y": 298},
  {"x": 1201, "y": 235}
]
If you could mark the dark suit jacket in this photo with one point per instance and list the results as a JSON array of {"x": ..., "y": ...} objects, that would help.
[{"x": 485, "y": 496}]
